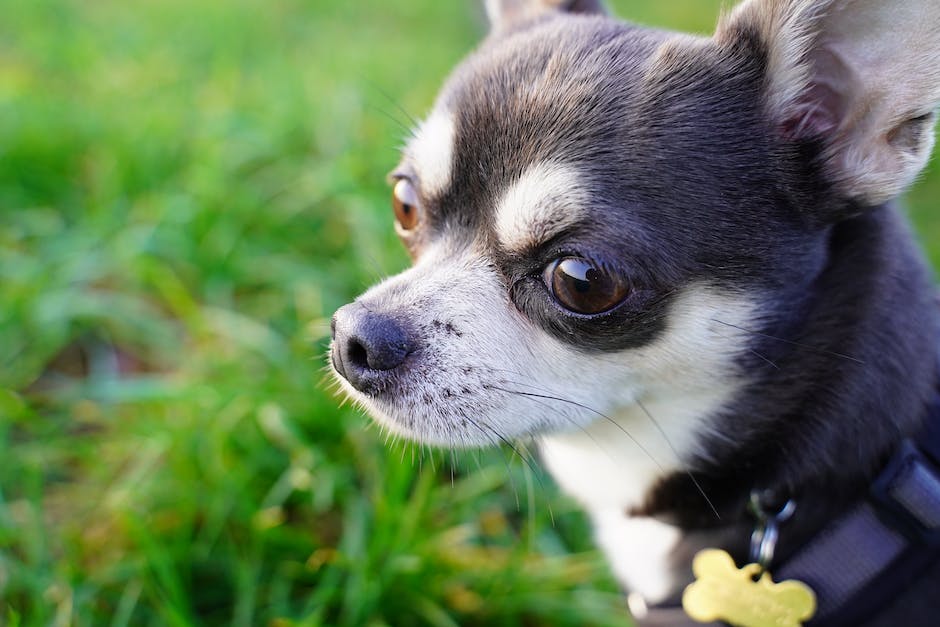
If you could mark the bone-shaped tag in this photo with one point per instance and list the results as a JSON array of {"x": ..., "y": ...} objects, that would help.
[{"x": 721, "y": 591}]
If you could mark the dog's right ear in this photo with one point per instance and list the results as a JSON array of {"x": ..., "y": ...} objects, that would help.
[
  {"x": 504, "y": 14},
  {"x": 859, "y": 77}
]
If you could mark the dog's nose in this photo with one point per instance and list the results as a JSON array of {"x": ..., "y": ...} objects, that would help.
[{"x": 367, "y": 345}]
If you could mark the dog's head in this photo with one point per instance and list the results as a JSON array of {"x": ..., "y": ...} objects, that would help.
[{"x": 601, "y": 214}]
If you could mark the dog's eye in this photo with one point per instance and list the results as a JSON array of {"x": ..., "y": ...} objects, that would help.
[
  {"x": 580, "y": 286},
  {"x": 405, "y": 202}
]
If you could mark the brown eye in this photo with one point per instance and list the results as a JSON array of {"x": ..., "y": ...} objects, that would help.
[
  {"x": 405, "y": 202},
  {"x": 582, "y": 287}
]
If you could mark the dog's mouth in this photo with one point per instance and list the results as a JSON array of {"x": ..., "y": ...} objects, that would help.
[{"x": 447, "y": 370}]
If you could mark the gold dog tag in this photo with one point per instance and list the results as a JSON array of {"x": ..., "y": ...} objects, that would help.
[{"x": 721, "y": 591}]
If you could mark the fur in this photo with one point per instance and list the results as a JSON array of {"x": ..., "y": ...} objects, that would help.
[{"x": 777, "y": 320}]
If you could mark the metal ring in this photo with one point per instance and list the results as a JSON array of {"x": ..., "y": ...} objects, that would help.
[
  {"x": 767, "y": 531},
  {"x": 767, "y": 545},
  {"x": 785, "y": 512},
  {"x": 756, "y": 506}
]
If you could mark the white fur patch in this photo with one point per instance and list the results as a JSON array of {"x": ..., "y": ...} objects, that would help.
[
  {"x": 638, "y": 550},
  {"x": 613, "y": 462},
  {"x": 608, "y": 471},
  {"x": 431, "y": 150},
  {"x": 547, "y": 198}
]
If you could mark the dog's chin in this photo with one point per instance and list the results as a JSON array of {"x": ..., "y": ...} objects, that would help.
[
  {"x": 482, "y": 420},
  {"x": 393, "y": 420}
]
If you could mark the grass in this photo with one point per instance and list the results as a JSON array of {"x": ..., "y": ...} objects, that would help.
[{"x": 188, "y": 190}]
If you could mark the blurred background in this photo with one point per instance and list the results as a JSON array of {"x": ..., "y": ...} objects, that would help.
[{"x": 188, "y": 189}]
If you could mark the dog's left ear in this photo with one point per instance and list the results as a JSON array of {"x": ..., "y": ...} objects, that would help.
[
  {"x": 504, "y": 14},
  {"x": 861, "y": 77}
]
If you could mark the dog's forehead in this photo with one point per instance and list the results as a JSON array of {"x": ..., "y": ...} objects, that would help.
[{"x": 530, "y": 110}]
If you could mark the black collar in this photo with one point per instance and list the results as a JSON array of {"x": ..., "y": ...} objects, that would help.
[{"x": 862, "y": 560}]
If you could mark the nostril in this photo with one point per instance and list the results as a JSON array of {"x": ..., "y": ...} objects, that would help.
[
  {"x": 357, "y": 354},
  {"x": 367, "y": 345},
  {"x": 376, "y": 352},
  {"x": 380, "y": 344}
]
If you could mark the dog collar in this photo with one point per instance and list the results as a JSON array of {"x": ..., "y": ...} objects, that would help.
[{"x": 861, "y": 561}]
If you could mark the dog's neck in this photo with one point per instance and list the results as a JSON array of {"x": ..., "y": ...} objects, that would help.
[
  {"x": 852, "y": 379},
  {"x": 612, "y": 466}
]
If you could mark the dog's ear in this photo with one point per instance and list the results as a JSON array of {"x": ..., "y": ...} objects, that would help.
[
  {"x": 861, "y": 77},
  {"x": 504, "y": 14}
]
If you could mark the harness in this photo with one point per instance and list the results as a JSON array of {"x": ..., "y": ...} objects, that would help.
[{"x": 863, "y": 559}]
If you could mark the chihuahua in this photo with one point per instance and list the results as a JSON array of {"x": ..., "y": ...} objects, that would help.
[{"x": 675, "y": 262}]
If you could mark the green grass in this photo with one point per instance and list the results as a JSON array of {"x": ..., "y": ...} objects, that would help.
[{"x": 189, "y": 188}]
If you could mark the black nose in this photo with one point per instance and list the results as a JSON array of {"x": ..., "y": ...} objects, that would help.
[{"x": 367, "y": 346}]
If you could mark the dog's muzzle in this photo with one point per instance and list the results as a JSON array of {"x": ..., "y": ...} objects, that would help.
[{"x": 368, "y": 347}]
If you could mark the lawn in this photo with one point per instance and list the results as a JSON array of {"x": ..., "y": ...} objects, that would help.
[{"x": 188, "y": 190}]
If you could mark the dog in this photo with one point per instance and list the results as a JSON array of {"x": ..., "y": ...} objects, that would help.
[{"x": 676, "y": 263}]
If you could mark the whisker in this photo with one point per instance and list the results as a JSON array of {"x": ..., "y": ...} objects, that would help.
[
  {"x": 551, "y": 514},
  {"x": 401, "y": 125},
  {"x": 561, "y": 414},
  {"x": 592, "y": 410},
  {"x": 662, "y": 432},
  {"x": 488, "y": 434},
  {"x": 814, "y": 349},
  {"x": 760, "y": 356},
  {"x": 547, "y": 396},
  {"x": 540, "y": 474},
  {"x": 539, "y": 402},
  {"x": 430, "y": 454},
  {"x": 763, "y": 358},
  {"x": 379, "y": 274},
  {"x": 390, "y": 100},
  {"x": 525, "y": 459},
  {"x": 530, "y": 505}
]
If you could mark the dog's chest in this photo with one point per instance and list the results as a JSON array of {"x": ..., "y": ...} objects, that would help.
[{"x": 610, "y": 466}]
